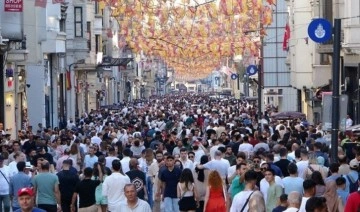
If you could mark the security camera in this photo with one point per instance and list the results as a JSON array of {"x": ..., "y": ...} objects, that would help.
[{"x": 28, "y": 85}]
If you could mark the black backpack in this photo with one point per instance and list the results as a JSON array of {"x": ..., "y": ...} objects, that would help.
[{"x": 353, "y": 184}]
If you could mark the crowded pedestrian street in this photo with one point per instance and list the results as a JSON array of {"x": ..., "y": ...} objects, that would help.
[
  {"x": 184, "y": 152},
  {"x": 179, "y": 106}
]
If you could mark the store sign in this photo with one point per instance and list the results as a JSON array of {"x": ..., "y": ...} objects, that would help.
[{"x": 13, "y": 5}]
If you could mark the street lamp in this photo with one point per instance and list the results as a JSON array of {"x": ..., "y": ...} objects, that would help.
[{"x": 63, "y": 100}]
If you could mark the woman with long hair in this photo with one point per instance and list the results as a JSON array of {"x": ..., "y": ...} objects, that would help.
[
  {"x": 187, "y": 192},
  {"x": 216, "y": 193},
  {"x": 76, "y": 156},
  {"x": 333, "y": 200},
  {"x": 320, "y": 184},
  {"x": 201, "y": 179}
]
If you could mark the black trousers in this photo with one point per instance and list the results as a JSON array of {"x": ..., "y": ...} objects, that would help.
[
  {"x": 65, "y": 204},
  {"x": 48, "y": 208}
]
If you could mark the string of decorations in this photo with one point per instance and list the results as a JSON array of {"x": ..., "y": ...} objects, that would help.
[{"x": 191, "y": 38}]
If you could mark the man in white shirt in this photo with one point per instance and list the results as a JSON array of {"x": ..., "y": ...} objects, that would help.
[
  {"x": 125, "y": 160},
  {"x": 219, "y": 164},
  {"x": 19, "y": 156},
  {"x": 304, "y": 163},
  {"x": 309, "y": 191},
  {"x": 349, "y": 121},
  {"x": 113, "y": 187},
  {"x": 4, "y": 185},
  {"x": 95, "y": 139},
  {"x": 133, "y": 203},
  {"x": 111, "y": 157},
  {"x": 244, "y": 200},
  {"x": 187, "y": 164},
  {"x": 246, "y": 147}
]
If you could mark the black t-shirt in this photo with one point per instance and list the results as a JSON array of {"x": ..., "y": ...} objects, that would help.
[
  {"x": 28, "y": 146},
  {"x": 86, "y": 190},
  {"x": 137, "y": 178},
  {"x": 67, "y": 182},
  {"x": 283, "y": 165},
  {"x": 259, "y": 177}
]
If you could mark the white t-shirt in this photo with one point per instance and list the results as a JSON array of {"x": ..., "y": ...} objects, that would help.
[
  {"x": 198, "y": 154},
  {"x": 125, "y": 164},
  {"x": 4, "y": 185},
  {"x": 303, "y": 204},
  {"x": 12, "y": 169},
  {"x": 247, "y": 148},
  {"x": 302, "y": 166},
  {"x": 239, "y": 201},
  {"x": 113, "y": 189}
]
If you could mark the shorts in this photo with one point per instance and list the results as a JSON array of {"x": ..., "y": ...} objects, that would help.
[{"x": 101, "y": 200}]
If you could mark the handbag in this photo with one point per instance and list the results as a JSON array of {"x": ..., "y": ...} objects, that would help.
[{"x": 182, "y": 196}]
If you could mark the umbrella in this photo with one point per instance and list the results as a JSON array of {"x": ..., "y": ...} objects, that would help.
[{"x": 288, "y": 115}]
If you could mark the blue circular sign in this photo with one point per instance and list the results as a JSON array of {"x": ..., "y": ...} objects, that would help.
[
  {"x": 251, "y": 70},
  {"x": 234, "y": 76},
  {"x": 320, "y": 30}
]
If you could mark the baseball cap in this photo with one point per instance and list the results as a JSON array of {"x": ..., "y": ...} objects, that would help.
[
  {"x": 28, "y": 165},
  {"x": 25, "y": 191},
  {"x": 354, "y": 163}
]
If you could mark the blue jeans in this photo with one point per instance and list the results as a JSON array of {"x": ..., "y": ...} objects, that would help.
[
  {"x": 149, "y": 187},
  {"x": 171, "y": 204},
  {"x": 5, "y": 202}
]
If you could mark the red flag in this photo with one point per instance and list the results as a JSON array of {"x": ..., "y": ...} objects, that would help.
[
  {"x": 40, "y": 3},
  {"x": 68, "y": 80},
  {"x": 286, "y": 38}
]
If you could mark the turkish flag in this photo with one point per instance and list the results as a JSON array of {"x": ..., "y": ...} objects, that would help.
[
  {"x": 286, "y": 38},
  {"x": 40, "y": 3},
  {"x": 68, "y": 80}
]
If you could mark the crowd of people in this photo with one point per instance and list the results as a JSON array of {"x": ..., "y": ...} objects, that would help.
[{"x": 184, "y": 152}]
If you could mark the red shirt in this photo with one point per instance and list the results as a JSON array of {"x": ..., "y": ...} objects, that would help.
[{"x": 353, "y": 202}]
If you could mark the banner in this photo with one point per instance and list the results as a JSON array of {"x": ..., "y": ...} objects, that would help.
[
  {"x": 68, "y": 80},
  {"x": 13, "y": 6}
]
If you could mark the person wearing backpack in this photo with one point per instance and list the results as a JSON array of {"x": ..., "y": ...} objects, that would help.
[{"x": 352, "y": 178}]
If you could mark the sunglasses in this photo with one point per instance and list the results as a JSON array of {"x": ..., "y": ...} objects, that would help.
[
  {"x": 191, "y": 156},
  {"x": 263, "y": 169},
  {"x": 256, "y": 161}
]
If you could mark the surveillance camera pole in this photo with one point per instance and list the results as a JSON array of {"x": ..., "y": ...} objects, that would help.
[{"x": 335, "y": 95}]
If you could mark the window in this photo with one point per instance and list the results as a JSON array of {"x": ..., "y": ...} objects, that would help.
[
  {"x": 78, "y": 22},
  {"x": 97, "y": 8},
  {"x": 88, "y": 31},
  {"x": 97, "y": 43}
]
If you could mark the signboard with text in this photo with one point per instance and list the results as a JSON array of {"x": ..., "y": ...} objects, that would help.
[{"x": 13, "y": 5}]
